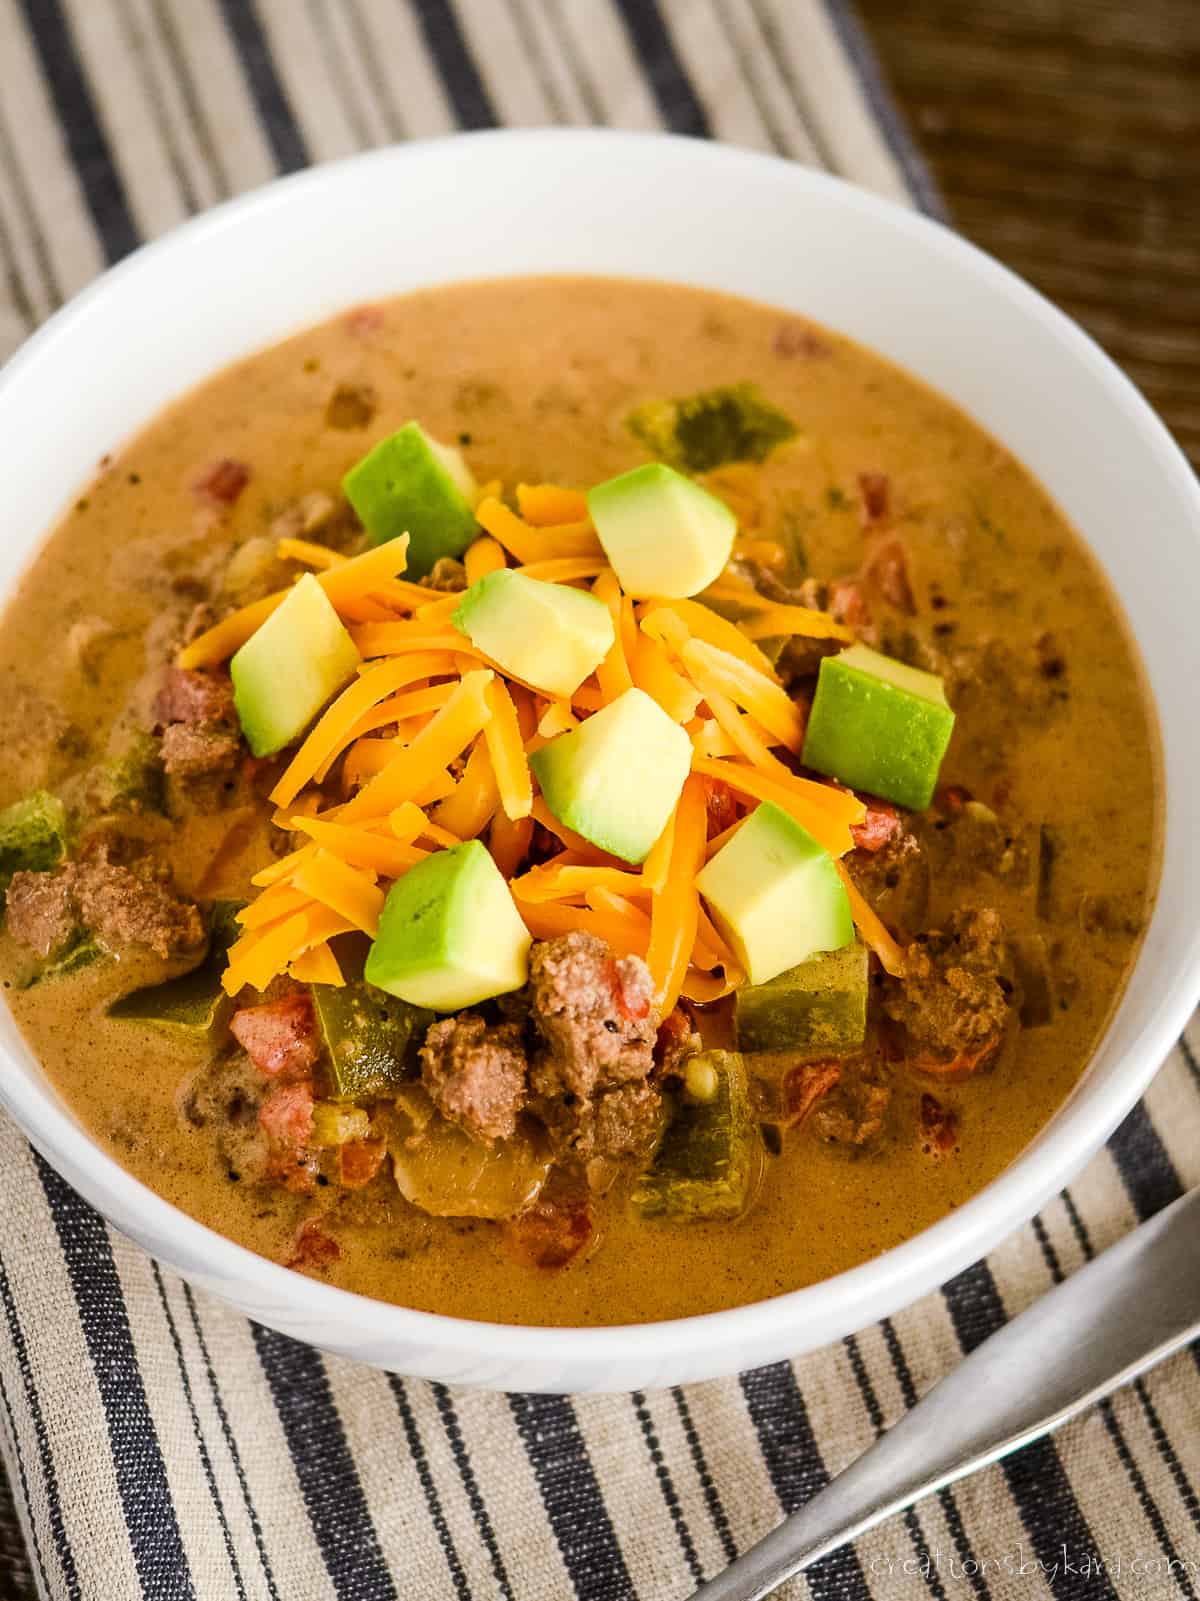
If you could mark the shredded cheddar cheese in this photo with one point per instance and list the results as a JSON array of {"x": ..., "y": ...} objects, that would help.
[{"x": 429, "y": 746}]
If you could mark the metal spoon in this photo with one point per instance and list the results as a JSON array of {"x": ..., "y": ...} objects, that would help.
[{"x": 1116, "y": 1317}]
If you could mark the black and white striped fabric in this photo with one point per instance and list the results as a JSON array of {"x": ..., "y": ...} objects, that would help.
[{"x": 159, "y": 1445}]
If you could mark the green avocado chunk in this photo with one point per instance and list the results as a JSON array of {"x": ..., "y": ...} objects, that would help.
[
  {"x": 547, "y": 634},
  {"x": 371, "y": 1039},
  {"x": 707, "y": 1165},
  {"x": 289, "y": 667},
  {"x": 663, "y": 534},
  {"x": 706, "y": 430},
  {"x": 776, "y": 895},
  {"x": 189, "y": 1006},
  {"x": 879, "y": 725},
  {"x": 449, "y": 933},
  {"x": 819, "y": 1006},
  {"x": 33, "y": 836},
  {"x": 616, "y": 778},
  {"x": 410, "y": 484}
]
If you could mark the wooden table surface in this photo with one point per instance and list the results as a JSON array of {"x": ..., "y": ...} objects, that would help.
[{"x": 1065, "y": 135}]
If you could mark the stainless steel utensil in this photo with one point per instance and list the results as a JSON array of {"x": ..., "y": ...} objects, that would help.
[{"x": 1109, "y": 1322}]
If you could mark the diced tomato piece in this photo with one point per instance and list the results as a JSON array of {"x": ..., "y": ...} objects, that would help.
[
  {"x": 292, "y": 1169},
  {"x": 803, "y": 1087},
  {"x": 358, "y": 1162},
  {"x": 674, "y": 1040},
  {"x": 721, "y": 806},
  {"x": 313, "y": 1247},
  {"x": 881, "y": 824},
  {"x": 848, "y": 604},
  {"x": 631, "y": 994},
  {"x": 550, "y": 1234},
  {"x": 962, "y": 1065},
  {"x": 939, "y": 1125},
  {"x": 223, "y": 482},
  {"x": 876, "y": 491},
  {"x": 279, "y": 1037},
  {"x": 952, "y": 798},
  {"x": 287, "y": 1114}
]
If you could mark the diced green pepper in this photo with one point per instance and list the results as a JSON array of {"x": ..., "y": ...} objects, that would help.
[
  {"x": 819, "y": 1007},
  {"x": 338, "y": 1125},
  {"x": 879, "y": 725},
  {"x": 82, "y": 950},
  {"x": 709, "y": 1160},
  {"x": 33, "y": 836},
  {"x": 191, "y": 1005},
  {"x": 706, "y": 430},
  {"x": 131, "y": 782},
  {"x": 371, "y": 1039},
  {"x": 1035, "y": 981}
]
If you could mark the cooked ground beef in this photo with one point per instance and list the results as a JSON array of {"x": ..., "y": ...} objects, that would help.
[
  {"x": 194, "y": 697},
  {"x": 122, "y": 907},
  {"x": 476, "y": 1074},
  {"x": 955, "y": 997},
  {"x": 40, "y": 911},
  {"x": 594, "y": 1014},
  {"x": 225, "y": 1096},
  {"x": 189, "y": 752},
  {"x": 895, "y": 878},
  {"x": 446, "y": 575},
  {"x": 852, "y": 1113}
]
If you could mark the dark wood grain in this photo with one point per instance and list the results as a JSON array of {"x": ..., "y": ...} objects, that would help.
[{"x": 1065, "y": 135}]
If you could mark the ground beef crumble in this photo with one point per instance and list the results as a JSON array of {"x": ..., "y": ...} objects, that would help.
[
  {"x": 476, "y": 1074},
  {"x": 196, "y": 713},
  {"x": 955, "y": 998},
  {"x": 594, "y": 1014},
  {"x": 122, "y": 907}
]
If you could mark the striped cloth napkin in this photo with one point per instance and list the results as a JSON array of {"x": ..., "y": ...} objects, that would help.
[{"x": 159, "y": 1445}]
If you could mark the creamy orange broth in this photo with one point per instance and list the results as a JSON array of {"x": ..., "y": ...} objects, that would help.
[{"x": 535, "y": 378}]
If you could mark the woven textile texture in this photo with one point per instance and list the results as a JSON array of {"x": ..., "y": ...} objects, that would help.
[{"x": 159, "y": 1445}]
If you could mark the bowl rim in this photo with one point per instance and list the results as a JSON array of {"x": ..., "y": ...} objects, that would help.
[{"x": 865, "y": 1293}]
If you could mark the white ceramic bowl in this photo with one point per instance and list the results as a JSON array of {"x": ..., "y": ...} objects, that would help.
[{"x": 496, "y": 204}]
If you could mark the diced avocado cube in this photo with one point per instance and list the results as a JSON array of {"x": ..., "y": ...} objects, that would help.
[
  {"x": 819, "y": 1006},
  {"x": 616, "y": 778},
  {"x": 289, "y": 668},
  {"x": 663, "y": 534},
  {"x": 775, "y": 895},
  {"x": 371, "y": 1039},
  {"x": 189, "y": 1006},
  {"x": 879, "y": 725},
  {"x": 706, "y": 430},
  {"x": 410, "y": 484},
  {"x": 449, "y": 933},
  {"x": 550, "y": 635},
  {"x": 33, "y": 835},
  {"x": 707, "y": 1165}
]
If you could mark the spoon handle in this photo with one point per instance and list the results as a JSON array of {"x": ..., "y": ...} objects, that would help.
[{"x": 1110, "y": 1321}]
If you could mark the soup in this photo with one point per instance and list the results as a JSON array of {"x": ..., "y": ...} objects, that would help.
[{"x": 802, "y": 979}]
